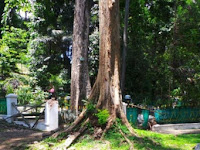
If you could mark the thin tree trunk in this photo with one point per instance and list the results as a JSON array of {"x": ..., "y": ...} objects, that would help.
[
  {"x": 80, "y": 84},
  {"x": 125, "y": 39}
]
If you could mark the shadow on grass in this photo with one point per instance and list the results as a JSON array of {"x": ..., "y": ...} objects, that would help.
[
  {"x": 140, "y": 143},
  {"x": 148, "y": 143}
]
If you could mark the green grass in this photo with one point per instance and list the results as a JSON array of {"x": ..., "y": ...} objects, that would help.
[
  {"x": 114, "y": 141},
  {"x": 167, "y": 141}
]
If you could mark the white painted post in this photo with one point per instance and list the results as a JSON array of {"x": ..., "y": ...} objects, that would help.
[
  {"x": 11, "y": 98},
  {"x": 51, "y": 115},
  {"x": 124, "y": 105}
]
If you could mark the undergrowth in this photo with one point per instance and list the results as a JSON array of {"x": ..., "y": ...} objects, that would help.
[
  {"x": 113, "y": 140},
  {"x": 102, "y": 116}
]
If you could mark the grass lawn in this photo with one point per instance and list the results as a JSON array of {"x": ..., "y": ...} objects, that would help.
[{"x": 114, "y": 141}]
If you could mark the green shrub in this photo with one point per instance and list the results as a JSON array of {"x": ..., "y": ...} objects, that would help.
[
  {"x": 90, "y": 108},
  {"x": 27, "y": 95},
  {"x": 9, "y": 89},
  {"x": 102, "y": 116}
]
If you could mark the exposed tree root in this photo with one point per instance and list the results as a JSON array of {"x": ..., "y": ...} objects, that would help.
[
  {"x": 74, "y": 124},
  {"x": 108, "y": 126},
  {"x": 101, "y": 133},
  {"x": 125, "y": 137},
  {"x": 74, "y": 136}
]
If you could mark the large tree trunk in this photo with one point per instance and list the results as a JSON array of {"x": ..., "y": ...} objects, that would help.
[
  {"x": 109, "y": 59},
  {"x": 106, "y": 90},
  {"x": 80, "y": 84}
]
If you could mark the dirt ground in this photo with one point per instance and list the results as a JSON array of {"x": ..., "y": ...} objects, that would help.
[{"x": 14, "y": 137}]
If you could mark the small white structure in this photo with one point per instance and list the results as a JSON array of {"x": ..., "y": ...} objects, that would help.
[
  {"x": 11, "y": 98},
  {"x": 124, "y": 105},
  {"x": 51, "y": 114}
]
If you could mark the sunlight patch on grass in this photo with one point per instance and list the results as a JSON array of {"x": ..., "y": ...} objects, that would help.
[
  {"x": 113, "y": 140},
  {"x": 179, "y": 142}
]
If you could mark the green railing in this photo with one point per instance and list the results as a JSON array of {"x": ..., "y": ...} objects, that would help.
[
  {"x": 3, "y": 106},
  {"x": 132, "y": 114},
  {"x": 178, "y": 115},
  {"x": 163, "y": 116}
]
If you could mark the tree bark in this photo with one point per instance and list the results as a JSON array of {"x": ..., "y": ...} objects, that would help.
[
  {"x": 106, "y": 90},
  {"x": 125, "y": 36},
  {"x": 80, "y": 84},
  {"x": 108, "y": 82}
]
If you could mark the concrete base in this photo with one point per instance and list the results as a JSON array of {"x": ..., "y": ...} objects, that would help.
[
  {"x": 3, "y": 116},
  {"x": 40, "y": 126},
  {"x": 183, "y": 128}
]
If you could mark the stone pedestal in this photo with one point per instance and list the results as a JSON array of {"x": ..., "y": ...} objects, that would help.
[
  {"x": 124, "y": 105},
  {"x": 11, "y": 98},
  {"x": 51, "y": 115}
]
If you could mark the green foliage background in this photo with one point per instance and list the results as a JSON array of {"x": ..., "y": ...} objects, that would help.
[{"x": 163, "y": 48}]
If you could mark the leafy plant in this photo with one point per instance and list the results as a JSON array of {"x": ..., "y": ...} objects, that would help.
[
  {"x": 90, "y": 108},
  {"x": 25, "y": 94},
  {"x": 9, "y": 89},
  {"x": 51, "y": 140},
  {"x": 102, "y": 116}
]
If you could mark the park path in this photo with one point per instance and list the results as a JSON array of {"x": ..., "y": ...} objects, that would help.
[
  {"x": 176, "y": 129},
  {"x": 15, "y": 137},
  {"x": 178, "y": 132}
]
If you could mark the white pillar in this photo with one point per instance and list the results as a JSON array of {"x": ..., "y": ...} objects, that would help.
[
  {"x": 51, "y": 115},
  {"x": 11, "y": 98},
  {"x": 124, "y": 105}
]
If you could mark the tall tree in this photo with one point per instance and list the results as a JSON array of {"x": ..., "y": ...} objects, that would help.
[
  {"x": 50, "y": 44},
  {"x": 80, "y": 84},
  {"x": 106, "y": 92}
]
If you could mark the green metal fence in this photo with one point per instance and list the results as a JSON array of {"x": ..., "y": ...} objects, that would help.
[
  {"x": 3, "y": 106},
  {"x": 178, "y": 115},
  {"x": 132, "y": 114},
  {"x": 163, "y": 116},
  {"x": 145, "y": 114}
]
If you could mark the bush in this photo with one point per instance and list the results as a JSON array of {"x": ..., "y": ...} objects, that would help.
[
  {"x": 27, "y": 95},
  {"x": 102, "y": 116},
  {"x": 90, "y": 108},
  {"x": 24, "y": 87}
]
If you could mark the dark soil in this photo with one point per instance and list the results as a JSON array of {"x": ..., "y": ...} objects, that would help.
[{"x": 15, "y": 137}]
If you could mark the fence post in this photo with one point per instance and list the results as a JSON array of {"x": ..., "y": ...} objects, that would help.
[
  {"x": 11, "y": 98},
  {"x": 51, "y": 115},
  {"x": 124, "y": 105}
]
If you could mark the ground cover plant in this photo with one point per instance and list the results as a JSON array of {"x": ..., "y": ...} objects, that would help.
[{"x": 115, "y": 141}]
